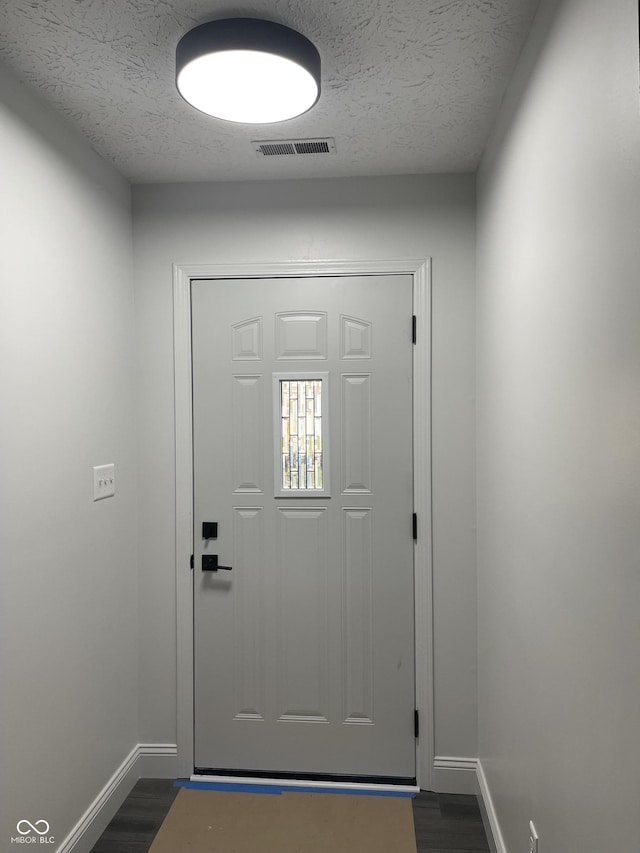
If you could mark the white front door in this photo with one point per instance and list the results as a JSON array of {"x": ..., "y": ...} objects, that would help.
[{"x": 303, "y": 583}]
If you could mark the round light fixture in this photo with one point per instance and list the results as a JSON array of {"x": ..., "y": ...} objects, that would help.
[{"x": 248, "y": 70}]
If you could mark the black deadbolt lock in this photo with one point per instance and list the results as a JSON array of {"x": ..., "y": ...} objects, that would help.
[{"x": 209, "y": 529}]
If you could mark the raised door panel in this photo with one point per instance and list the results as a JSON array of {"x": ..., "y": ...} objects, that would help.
[
  {"x": 249, "y": 630},
  {"x": 357, "y": 610},
  {"x": 303, "y": 647}
]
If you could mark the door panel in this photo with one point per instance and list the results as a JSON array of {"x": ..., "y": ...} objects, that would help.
[{"x": 304, "y": 650}]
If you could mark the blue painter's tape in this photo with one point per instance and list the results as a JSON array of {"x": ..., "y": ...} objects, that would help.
[
  {"x": 276, "y": 790},
  {"x": 229, "y": 786}
]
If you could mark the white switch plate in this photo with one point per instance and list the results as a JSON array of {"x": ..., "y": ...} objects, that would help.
[
  {"x": 533, "y": 838},
  {"x": 104, "y": 481}
]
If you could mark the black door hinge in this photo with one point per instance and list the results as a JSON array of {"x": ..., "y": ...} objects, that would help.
[
  {"x": 414, "y": 328},
  {"x": 415, "y": 527},
  {"x": 191, "y": 562},
  {"x": 416, "y": 723}
]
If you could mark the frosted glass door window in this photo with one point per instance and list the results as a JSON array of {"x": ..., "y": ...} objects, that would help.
[{"x": 300, "y": 405}]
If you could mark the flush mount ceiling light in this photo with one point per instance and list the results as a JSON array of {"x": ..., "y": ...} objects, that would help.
[{"x": 248, "y": 70}]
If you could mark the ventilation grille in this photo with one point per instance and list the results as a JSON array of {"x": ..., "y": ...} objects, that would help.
[{"x": 294, "y": 147}]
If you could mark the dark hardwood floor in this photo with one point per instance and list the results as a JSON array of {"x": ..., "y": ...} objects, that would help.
[
  {"x": 448, "y": 823},
  {"x": 139, "y": 818},
  {"x": 445, "y": 823}
]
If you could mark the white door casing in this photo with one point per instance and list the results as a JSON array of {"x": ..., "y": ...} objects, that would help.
[{"x": 184, "y": 544}]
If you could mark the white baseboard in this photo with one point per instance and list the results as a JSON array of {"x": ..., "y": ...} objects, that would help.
[
  {"x": 455, "y": 775},
  {"x": 489, "y": 816},
  {"x": 158, "y": 761}
]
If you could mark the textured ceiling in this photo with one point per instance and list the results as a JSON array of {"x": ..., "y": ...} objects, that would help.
[{"x": 408, "y": 86}]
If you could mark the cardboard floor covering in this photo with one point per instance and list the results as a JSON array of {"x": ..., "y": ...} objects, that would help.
[{"x": 229, "y": 822}]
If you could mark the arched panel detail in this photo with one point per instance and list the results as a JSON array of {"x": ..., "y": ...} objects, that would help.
[
  {"x": 247, "y": 340},
  {"x": 355, "y": 338},
  {"x": 301, "y": 335}
]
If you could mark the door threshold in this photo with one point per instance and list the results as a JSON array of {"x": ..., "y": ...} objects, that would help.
[{"x": 318, "y": 785}]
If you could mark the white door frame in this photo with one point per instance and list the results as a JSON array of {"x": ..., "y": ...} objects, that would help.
[{"x": 420, "y": 270}]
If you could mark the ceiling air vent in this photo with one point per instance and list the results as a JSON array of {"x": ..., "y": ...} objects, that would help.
[{"x": 294, "y": 147}]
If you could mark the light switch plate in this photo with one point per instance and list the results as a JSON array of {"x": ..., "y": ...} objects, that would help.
[{"x": 104, "y": 481}]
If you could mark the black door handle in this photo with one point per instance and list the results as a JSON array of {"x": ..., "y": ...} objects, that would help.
[{"x": 210, "y": 564}]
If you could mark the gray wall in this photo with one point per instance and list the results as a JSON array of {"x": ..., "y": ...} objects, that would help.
[
  {"x": 332, "y": 219},
  {"x": 559, "y": 436},
  {"x": 68, "y": 576}
]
